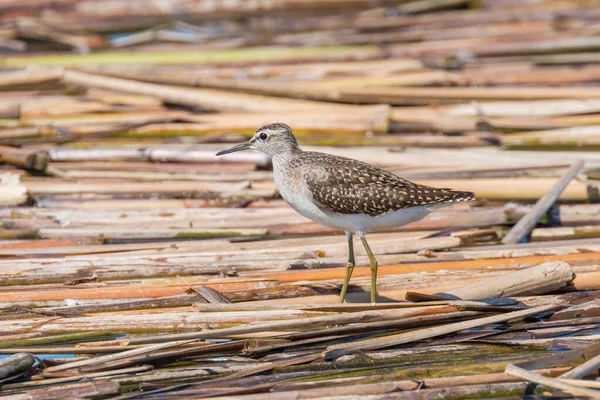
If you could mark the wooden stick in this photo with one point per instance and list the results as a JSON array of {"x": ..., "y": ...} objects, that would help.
[
  {"x": 528, "y": 222},
  {"x": 550, "y": 382}
]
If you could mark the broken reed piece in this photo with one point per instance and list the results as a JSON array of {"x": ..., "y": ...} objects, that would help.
[
  {"x": 528, "y": 222},
  {"x": 550, "y": 382},
  {"x": 543, "y": 278},
  {"x": 22, "y": 158}
]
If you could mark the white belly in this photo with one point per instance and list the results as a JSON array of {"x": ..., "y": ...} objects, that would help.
[
  {"x": 365, "y": 223},
  {"x": 300, "y": 199}
]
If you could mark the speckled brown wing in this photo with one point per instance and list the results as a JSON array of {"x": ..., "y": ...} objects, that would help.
[{"x": 348, "y": 186}]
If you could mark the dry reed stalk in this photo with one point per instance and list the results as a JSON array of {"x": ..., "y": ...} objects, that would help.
[
  {"x": 338, "y": 37},
  {"x": 214, "y": 168},
  {"x": 410, "y": 385},
  {"x": 253, "y": 306},
  {"x": 550, "y": 382},
  {"x": 338, "y": 319},
  {"x": 581, "y": 310},
  {"x": 130, "y": 291},
  {"x": 564, "y": 233},
  {"x": 581, "y": 382},
  {"x": 210, "y": 9},
  {"x": 318, "y": 121},
  {"x": 133, "y": 233},
  {"x": 102, "y": 203},
  {"x": 402, "y": 338},
  {"x": 9, "y": 111},
  {"x": 543, "y": 278},
  {"x": 319, "y": 90},
  {"x": 524, "y": 110},
  {"x": 578, "y": 135},
  {"x": 35, "y": 161},
  {"x": 81, "y": 214},
  {"x": 43, "y": 187},
  {"x": 106, "y": 121},
  {"x": 67, "y": 350},
  {"x": 584, "y": 281},
  {"x": 157, "y": 303},
  {"x": 279, "y": 325},
  {"x": 555, "y": 45},
  {"x": 583, "y": 370},
  {"x": 210, "y": 99},
  {"x": 536, "y": 76},
  {"x": 100, "y": 389},
  {"x": 13, "y": 195},
  {"x": 294, "y": 276},
  {"x": 30, "y": 76},
  {"x": 519, "y": 188},
  {"x": 526, "y": 224},
  {"x": 398, "y": 95},
  {"x": 52, "y": 381},
  {"x": 380, "y": 67},
  {"x": 66, "y": 108},
  {"x": 16, "y": 364}
]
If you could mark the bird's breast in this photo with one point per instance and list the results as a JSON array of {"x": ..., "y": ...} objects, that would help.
[{"x": 295, "y": 192}]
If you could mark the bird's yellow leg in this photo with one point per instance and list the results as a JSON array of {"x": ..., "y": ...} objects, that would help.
[
  {"x": 373, "y": 263},
  {"x": 350, "y": 266}
]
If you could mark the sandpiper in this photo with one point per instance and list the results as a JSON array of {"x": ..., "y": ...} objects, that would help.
[{"x": 345, "y": 194}]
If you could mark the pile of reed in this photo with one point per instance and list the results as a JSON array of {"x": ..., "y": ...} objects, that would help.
[{"x": 136, "y": 264}]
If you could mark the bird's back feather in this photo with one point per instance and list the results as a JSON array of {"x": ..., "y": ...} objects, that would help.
[{"x": 349, "y": 186}]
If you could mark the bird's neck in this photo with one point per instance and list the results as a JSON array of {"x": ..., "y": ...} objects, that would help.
[{"x": 284, "y": 158}]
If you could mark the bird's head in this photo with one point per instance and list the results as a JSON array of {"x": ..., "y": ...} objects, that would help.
[{"x": 271, "y": 139}]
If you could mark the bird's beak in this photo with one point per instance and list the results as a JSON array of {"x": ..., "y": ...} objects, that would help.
[{"x": 239, "y": 147}]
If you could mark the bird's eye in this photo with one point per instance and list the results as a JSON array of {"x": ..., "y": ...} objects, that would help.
[{"x": 263, "y": 136}]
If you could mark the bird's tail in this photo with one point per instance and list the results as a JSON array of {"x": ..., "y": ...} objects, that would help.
[
  {"x": 459, "y": 197},
  {"x": 447, "y": 197}
]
